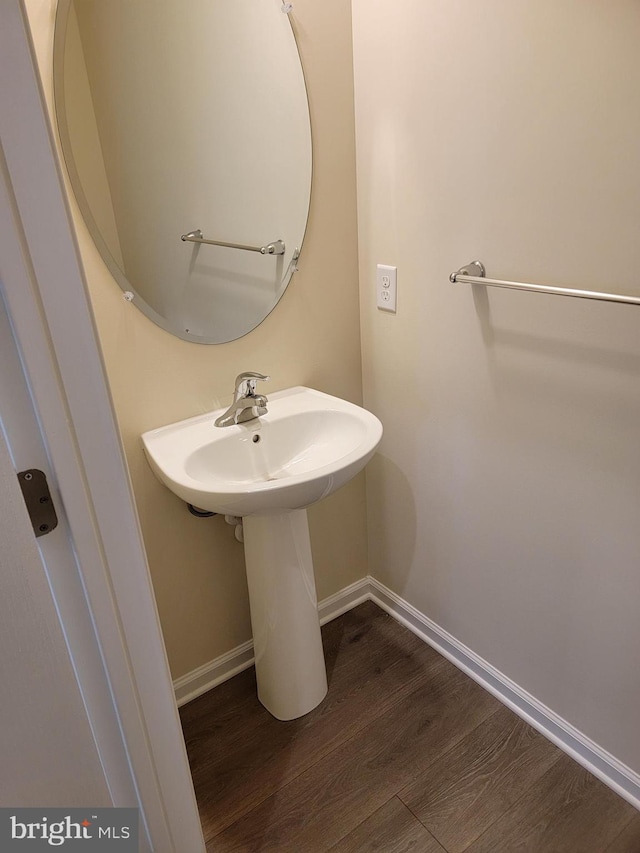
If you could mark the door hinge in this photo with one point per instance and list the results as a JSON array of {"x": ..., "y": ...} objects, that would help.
[{"x": 37, "y": 497}]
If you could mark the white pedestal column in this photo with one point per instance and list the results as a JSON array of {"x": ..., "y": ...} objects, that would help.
[{"x": 290, "y": 667}]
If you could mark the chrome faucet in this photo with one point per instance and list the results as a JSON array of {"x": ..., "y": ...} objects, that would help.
[{"x": 246, "y": 405}]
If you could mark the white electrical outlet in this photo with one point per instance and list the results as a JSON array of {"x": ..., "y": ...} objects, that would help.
[{"x": 387, "y": 287}]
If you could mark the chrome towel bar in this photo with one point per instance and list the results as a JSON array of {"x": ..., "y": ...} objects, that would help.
[
  {"x": 275, "y": 248},
  {"x": 474, "y": 273}
]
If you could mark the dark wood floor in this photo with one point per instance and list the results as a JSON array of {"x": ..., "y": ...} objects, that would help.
[{"x": 406, "y": 753}]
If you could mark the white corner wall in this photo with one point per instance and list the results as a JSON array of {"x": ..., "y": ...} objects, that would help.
[{"x": 504, "y": 503}]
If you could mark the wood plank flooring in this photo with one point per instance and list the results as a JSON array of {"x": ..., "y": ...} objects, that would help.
[{"x": 406, "y": 753}]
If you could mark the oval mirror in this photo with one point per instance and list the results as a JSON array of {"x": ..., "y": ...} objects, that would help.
[{"x": 185, "y": 129}]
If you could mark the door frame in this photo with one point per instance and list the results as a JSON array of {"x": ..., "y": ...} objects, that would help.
[{"x": 48, "y": 305}]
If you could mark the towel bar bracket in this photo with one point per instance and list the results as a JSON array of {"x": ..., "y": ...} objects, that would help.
[{"x": 475, "y": 268}]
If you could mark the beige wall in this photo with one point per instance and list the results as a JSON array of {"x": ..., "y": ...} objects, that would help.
[
  {"x": 311, "y": 338},
  {"x": 504, "y": 503}
]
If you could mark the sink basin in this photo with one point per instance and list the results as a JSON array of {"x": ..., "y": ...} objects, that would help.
[
  {"x": 305, "y": 447},
  {"x": 268, "y": 471}
]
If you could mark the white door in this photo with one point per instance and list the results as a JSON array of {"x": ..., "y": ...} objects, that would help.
[{"x": 48, "y": 753}]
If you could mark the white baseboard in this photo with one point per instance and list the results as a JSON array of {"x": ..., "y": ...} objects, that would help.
[
  {"x": 617, "y": 776},
  {"x": 348, "y": 598},
  {"x": 209, "y": 675}
]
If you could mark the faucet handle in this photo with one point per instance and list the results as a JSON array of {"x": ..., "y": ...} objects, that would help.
[{"x": 246, "y": 383}]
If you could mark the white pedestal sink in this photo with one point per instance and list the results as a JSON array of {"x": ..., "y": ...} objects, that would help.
[{"x": 268, "y": 471}]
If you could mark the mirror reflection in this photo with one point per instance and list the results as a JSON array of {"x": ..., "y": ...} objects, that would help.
[{"x": 187, "y": 121}]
